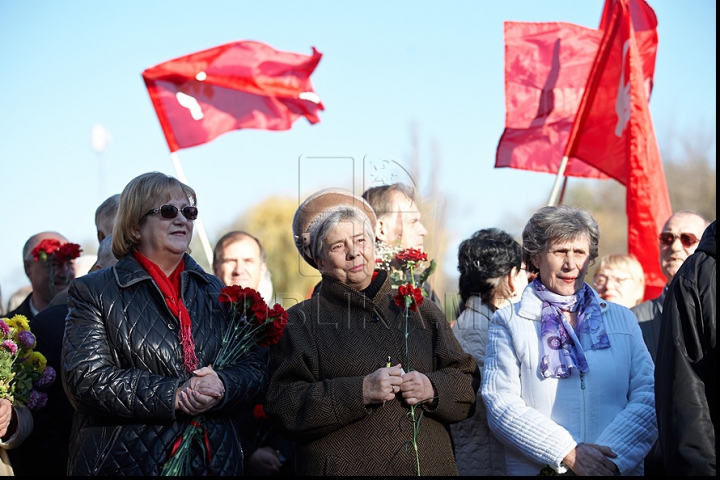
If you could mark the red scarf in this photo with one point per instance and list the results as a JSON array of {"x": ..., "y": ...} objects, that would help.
[{"x": 170, "y": 288}]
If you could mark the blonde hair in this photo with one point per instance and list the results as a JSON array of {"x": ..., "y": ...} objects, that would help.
[
  {"x": 136, "y": 200},
  {"x": 628, "y": 264},
  {"x": 625, "y": 263}
]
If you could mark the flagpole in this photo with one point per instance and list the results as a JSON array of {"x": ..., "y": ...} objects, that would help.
[
  {"x": 198, "y": 223},
  {"x": 556, "y": 188}
]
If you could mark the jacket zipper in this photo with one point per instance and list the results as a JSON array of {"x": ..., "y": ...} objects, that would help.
[{"x": 584, "y": 411}]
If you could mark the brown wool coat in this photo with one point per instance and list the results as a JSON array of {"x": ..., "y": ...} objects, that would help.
[{"x": 315, "y": 397}]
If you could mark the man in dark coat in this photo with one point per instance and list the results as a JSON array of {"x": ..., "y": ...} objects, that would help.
[
  {"x": 51, "y": 434},
  {"x": 685, "y": 374}
]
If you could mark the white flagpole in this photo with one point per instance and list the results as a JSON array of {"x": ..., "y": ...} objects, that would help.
[
  {"x": 198, "y": 223},
  {"x": 556, "y": 188}
]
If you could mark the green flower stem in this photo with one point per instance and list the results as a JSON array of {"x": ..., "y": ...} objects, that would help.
[{"x": 415, "y": 422}]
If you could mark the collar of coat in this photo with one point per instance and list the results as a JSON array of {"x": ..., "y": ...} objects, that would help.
[
  {"x": 336, "y": 291},
  {"x": 129, "y": 272}
]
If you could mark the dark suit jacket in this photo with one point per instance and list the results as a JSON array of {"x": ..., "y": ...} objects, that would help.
[
  {"x": 45, "y": 451},
  {"x": 23, "y": 309}
]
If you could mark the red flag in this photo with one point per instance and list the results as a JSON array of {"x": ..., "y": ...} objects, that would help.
[
  {"x": 237, "y": 85},
  {"x": 546, "y": 68},
  {"x": 644, "y": 24},
  {"x": 613, "y": 132}
]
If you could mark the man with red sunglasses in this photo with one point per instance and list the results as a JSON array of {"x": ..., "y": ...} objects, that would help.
[{"x": 678, "y": 240}]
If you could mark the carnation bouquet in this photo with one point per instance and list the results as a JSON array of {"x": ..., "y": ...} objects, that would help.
[
  {"x": 21, "y": 367},
  {"x": 409, "y": 298},
  {"x": 252, "y": 322}
]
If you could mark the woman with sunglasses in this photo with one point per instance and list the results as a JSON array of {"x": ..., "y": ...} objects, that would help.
[
  {"x": 567, "y": 382},
  {"x": 140, "y": 339}
]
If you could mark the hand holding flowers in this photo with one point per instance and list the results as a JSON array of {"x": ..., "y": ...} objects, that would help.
[
  {"x": 416, "y": 387},
  {"x": 22, "y": 369},
  {"x": 251, "y": 323}
]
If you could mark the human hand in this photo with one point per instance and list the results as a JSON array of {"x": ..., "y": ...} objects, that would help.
[
  {"x": 200, "y": 393},
  {"x": 591, "y": 459},
  {"x": 382, "y": 384},
  {"x": 5, "y": 415},
  {"x": 264, "y": 462},
  {"x": 416, "y": 387},
  {"x": 207, "y": 382}
]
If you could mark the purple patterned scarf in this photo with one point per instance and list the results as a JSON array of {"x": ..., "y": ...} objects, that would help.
[{"x": 561, "y": 347}]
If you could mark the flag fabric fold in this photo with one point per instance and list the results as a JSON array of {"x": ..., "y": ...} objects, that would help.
[
  {"x": 546, "y": 68},
  {"x": 244, "y": 84},
  {"x": 614, "y": 133}
]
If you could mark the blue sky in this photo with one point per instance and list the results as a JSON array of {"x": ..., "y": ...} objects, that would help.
[{"x": 68, "y": 65}]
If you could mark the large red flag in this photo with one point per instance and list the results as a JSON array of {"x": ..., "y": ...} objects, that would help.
[
  {"x": 242, "y": 84},
  {"x": 613, "y": 132},
  {"x": 546, "y": 68}
]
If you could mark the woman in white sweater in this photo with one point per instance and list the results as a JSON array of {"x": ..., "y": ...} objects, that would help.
[{"x": 568, "y": 381}]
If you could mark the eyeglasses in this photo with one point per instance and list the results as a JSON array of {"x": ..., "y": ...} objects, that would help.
[
  {"x": 602, "y": 280},
  {"x": 171, "y": 211},
  {"x": 687, "y": 239}
]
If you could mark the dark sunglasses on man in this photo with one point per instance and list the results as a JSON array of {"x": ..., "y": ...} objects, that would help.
[
  {"x": 687, "y": 239},
  {"x": 171, "y": 211}
]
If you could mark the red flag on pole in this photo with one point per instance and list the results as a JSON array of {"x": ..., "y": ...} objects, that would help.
[
  {"x": 613, "y": 132},
  {"x": 546, "y": 68},
  {"x": 243, "y": 84}
]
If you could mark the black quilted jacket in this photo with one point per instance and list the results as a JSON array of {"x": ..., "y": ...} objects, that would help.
[{"x": 122, "y": 363}]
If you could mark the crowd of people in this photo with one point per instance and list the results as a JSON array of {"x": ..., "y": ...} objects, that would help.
[{"x": 542, "y": 373}]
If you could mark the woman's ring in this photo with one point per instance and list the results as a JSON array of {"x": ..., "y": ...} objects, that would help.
[{"x": 393, "y": 388}]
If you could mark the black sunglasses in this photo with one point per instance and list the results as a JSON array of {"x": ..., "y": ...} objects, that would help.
[
  {"x": 171, "y": 211},
  {"x": 687, "y": 239}
]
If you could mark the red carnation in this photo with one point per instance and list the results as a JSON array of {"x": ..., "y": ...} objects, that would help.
[
  {"x": 68, "y": 251},
  {"x": 277, "y": 320},
  {"x": 230, "y": 294},
  {"x": 410, "y": 255},
  {"x": 412, "y": 293},
  {"x": 259, "y": 412},
  {"x": 45, "y": 248}
]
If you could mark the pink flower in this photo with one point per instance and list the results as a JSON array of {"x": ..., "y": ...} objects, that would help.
[
  {"x": 4, "y": 328},
  {"x": 10, "y": 346}
]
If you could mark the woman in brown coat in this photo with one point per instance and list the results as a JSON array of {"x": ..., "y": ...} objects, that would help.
[{"x": 332, "y": 389}]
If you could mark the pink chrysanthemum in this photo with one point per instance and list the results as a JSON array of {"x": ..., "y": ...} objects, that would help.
[
  {"x": 4, "y": 328},
  {"x": 48, "y": 377},
  {"x": 26, "y": 339},
  {"x": 10, "y": 346}
]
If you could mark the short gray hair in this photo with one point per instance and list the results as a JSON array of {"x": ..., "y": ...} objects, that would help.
[
  {"x": 559, "y": 222},
  {"x": 381, "y": 198},
  {"x": 328, "y": 224}
]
